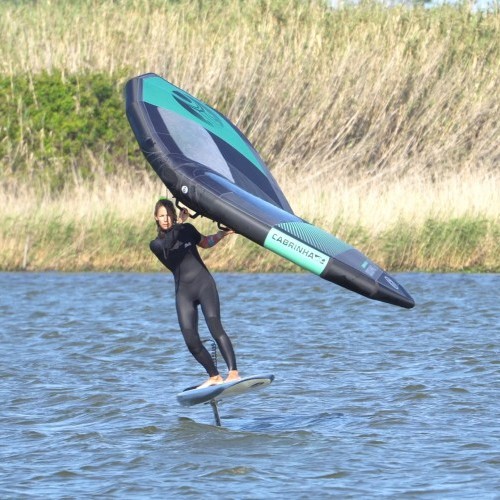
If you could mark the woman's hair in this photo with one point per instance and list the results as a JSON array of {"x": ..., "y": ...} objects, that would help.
[{"x": 163, "y": 202}]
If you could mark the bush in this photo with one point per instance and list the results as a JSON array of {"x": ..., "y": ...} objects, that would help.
[{"x": 56, "y": 124}]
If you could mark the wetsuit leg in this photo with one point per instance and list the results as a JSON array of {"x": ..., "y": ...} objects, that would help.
[
  {"x": 187, "y": 314},
  {"x": 210, "y": 305}
]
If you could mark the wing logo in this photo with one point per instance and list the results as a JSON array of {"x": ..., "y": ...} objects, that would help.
[
  {"x": 295, "y": 250},
  {"x": 197, "y": 108},
  {"x": 300, "y": 248}
]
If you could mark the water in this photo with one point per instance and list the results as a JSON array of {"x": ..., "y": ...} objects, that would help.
[{"x": 369, "y": 400}]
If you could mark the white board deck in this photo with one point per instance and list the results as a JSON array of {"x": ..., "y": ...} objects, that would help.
[{"x": 190, "y": 397}]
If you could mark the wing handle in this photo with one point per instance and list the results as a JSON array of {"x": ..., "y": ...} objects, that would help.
[
  {"x": 222, "y": 227},
  {"x": 192, "y": 216}
]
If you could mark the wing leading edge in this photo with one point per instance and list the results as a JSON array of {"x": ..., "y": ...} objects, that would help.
[{"x": 209, "y": 166}]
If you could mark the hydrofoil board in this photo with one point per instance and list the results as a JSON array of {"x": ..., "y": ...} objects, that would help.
[{"x": 214, "y": 393}]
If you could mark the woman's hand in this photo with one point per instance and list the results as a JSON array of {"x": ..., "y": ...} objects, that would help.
[{"x": 183, "y": 215}]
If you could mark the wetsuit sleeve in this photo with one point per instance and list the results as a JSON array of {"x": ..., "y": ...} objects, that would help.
[{"x": 194, "y": 235}]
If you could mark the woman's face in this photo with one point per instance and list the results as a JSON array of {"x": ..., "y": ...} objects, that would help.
[{"x": 165, "y": 218}]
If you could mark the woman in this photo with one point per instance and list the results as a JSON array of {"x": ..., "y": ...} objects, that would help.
[{"x": 175, "y": 247}]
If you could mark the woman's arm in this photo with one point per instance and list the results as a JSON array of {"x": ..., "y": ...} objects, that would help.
[
  {"x": 213, "y": 239},
  {"x": 206, "y": 241}
]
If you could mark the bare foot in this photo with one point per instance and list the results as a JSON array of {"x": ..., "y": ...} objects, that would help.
[
  {"x": 232, "y": 375},
  {"x": 211, "y": 381}
]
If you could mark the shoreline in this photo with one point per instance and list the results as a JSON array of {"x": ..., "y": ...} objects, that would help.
[{"x": 465, "y": 246}]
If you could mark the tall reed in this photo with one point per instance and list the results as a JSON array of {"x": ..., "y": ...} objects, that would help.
[
  {"x": 108, "y": 225},
  {"x": 369, "y": 89}
]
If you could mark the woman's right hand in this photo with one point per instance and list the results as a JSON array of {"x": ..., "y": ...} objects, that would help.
[{"x": 184, "y": 215}]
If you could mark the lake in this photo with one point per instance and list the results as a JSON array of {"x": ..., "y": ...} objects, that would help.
[{"x": 369, "y": 401}]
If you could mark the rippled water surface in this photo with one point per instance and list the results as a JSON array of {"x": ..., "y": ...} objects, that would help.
[{"x": 369, "y": 400}]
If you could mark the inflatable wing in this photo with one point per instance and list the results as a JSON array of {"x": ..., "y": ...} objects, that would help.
[{"x": 209, "y": 166}]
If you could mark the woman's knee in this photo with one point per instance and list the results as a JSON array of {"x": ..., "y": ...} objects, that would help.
[{"x": 215, "y": 326}]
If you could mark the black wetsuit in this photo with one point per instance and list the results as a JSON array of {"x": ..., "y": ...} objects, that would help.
[{"x": 194, "y": 285}]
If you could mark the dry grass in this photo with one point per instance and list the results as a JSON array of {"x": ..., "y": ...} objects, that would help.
[
  {"x": 108, "y": 225},
  {"x": 411, "y": 199}
]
